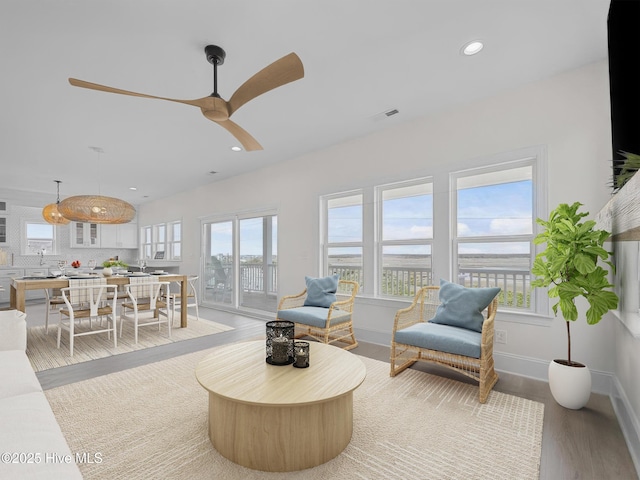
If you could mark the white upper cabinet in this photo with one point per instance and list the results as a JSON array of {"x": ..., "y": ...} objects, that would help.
[
  {"x": 84, "y": 235},
  {"x": 124, "y": 235}
]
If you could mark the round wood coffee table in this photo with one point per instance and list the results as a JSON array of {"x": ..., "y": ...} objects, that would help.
[{"x": 280, "y": 418}]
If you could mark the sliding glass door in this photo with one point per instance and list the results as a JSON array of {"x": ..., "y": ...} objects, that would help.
[
  {"x": 218, "y": 263},
  {"x": 240, "y": 262}
]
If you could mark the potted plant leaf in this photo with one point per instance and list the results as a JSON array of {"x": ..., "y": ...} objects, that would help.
[{"x": 572, "y": 267}]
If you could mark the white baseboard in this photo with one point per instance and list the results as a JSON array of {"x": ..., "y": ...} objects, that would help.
[
  {"x": 629, "y": 422},
  {"x": 536, "y": 368}
]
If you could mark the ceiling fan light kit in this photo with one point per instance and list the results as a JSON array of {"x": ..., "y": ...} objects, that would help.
[{"x": 285, "y": 70}]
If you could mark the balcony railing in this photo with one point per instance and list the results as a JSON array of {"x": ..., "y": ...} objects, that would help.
[
  {"x": 515, "y": 284},
  {"x": 402, "y": 281}
]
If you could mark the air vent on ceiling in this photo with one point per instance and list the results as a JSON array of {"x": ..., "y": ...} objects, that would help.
[{"x": 385, "y": 114}]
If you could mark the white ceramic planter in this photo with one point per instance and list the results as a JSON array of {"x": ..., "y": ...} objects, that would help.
[
  {"x": 570, "y": 386},
  {"x": 107, "y": 271}
]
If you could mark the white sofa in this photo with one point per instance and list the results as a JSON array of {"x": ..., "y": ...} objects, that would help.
[{"x": 31, "y": 443}]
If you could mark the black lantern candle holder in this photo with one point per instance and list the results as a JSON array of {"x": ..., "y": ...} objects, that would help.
[
  {"x": 280, "y": 342},
  {"x": 301, "y": 354}
]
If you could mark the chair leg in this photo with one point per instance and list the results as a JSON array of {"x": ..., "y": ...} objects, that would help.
[
  {"x": 59, "y": 330},
  {"x": 354, "y": 342},
  {"x": 71, "y": 335},
  {"x": 488, "y": 378},
  {"x": 114, "y": 325},
  {"x": 195, "y": 299}
]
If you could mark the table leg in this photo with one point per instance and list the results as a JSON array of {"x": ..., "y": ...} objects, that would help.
[{"x": 16, "y": 298}]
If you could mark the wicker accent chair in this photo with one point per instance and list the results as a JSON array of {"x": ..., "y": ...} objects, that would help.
[
  {"x": 413, "y": 333},
  {"x": 332, "y": 325}
]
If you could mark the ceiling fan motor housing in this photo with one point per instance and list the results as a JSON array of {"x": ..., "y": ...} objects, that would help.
[{"x": 215, "y": 54}]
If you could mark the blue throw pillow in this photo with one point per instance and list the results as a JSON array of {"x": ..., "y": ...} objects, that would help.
[
  {"x": 321, "y": 292},
  {"x": 462, "y": 307}
]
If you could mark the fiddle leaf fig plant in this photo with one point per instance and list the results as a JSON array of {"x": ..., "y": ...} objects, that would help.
[{"x": 571, "y": 266}]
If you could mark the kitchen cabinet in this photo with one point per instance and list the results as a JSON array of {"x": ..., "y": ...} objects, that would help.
[
  {"x": 3, "y": 230},
  {"x": 84, "y": 235},
  {"x": 124, "y": 235}
]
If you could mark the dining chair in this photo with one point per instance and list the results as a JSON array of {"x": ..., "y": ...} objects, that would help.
[
  {"x": 146, "y": 304},
  {"x": 54, "y": 299},
  {"x": 90, "y": 302}
]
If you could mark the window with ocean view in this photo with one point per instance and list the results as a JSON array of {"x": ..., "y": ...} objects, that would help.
[
  {"x": 406, "y": 220},
  {"x": 344, "y": 237},
  {"x": 494, "y": 230},
  {"x": 477, "y": 229}
]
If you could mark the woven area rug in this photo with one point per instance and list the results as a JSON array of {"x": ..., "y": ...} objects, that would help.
[
  {"x": 151, "y": 422},
  {"x": 43, "y": 352}
]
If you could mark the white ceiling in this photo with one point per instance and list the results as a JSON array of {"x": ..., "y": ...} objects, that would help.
[{"x": 361, "y": 58}]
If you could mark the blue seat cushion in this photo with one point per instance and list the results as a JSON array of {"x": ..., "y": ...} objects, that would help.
[
  {"x": 443, "y": 338},
  {"x": 321, "y": 292},
  {"x": 314, "y": 316},
  {"x": 461, "y": 306}
]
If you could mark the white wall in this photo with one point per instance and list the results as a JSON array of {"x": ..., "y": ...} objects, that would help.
[{"x": 568, "y": 114}]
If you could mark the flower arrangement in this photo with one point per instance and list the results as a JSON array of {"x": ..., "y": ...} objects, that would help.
[{"x": 114, "y": 263}]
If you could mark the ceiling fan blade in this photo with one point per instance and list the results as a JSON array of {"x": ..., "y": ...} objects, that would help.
[
  {"x": 248, "y": 142},
  {"x": 94, "y": 86},
  {"x": 288, "y": 69}
]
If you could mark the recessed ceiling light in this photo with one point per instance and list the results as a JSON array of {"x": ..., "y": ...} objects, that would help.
[
  {"x": 133, "y": 188},
  {"x": 236, "y": 149},
  {"x": 472, "y": 48}
]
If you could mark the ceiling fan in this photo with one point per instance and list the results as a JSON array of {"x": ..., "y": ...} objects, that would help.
[{"x": 285, "y": 70}]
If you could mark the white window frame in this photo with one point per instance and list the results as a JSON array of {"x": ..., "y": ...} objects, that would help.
[
  {"x": 26, "y": 248},
  {"x": 443, "y": 247},
  {"x": 380, "y": 243},
  {"x": 172, "y": 242},
  {"x": 146, "y": 242},
  {"x": 325, "y": 245},
  {"x": 539, "y": 303}
]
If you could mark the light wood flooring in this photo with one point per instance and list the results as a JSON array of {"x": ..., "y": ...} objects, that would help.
[{"x": 582, "y": 444}]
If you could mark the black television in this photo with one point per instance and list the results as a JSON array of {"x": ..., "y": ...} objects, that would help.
[{"x": 624, "y": 87}]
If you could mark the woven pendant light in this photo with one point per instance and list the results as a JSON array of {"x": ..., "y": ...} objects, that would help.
[
  {"x": 96, "y": 208},
  {"x": 51, "y": 213}
]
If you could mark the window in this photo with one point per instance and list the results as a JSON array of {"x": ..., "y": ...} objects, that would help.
[
  {"x": 406, "y": 233},
  {"x": 161, "y": 241},
  {"x": 478, "y": 231},
  {"x": 39, "y": 238},
  {"x": 146, "y": 243},
  {"x": 343, "y": 241},
  {"x": 174, "y": 243},
  {"x": 494, "y": 229},
  {"x": 159, "y": 238}
]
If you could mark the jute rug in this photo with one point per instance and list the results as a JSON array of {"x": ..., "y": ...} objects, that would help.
[
  {"x": 43, "y": 352},
  {"x": 150, "y": 422}
]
